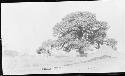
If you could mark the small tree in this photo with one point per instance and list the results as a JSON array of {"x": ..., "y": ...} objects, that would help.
[{"x": 80, "y": 30}]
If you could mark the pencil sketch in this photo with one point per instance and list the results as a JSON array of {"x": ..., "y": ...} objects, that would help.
[
  {"x": 80, "y": 32},
  {"x": 82, "y": 46}
]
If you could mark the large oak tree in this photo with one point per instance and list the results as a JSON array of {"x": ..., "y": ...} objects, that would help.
[{"x": 80, "y": 30}]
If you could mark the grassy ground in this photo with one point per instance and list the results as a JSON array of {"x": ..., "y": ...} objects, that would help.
[{"x": 103, "y": 60}]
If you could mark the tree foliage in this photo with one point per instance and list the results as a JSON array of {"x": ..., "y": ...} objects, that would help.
[{"x": 80, "y": 30}]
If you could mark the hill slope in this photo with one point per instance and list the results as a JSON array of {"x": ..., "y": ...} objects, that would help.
[{"x": 103, "y": 60}]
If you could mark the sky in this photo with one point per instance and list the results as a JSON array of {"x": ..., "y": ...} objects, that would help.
[{"x": 25, "y": 25}]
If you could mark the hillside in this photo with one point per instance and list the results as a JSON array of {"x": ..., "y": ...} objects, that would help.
[{"x": 103, "y": 60}]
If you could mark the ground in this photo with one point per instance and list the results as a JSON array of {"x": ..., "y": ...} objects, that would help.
[{"x": 103, "y": 60}]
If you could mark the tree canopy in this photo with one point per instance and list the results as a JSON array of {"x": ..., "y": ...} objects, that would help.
[{"x": 80, "y": 30}]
